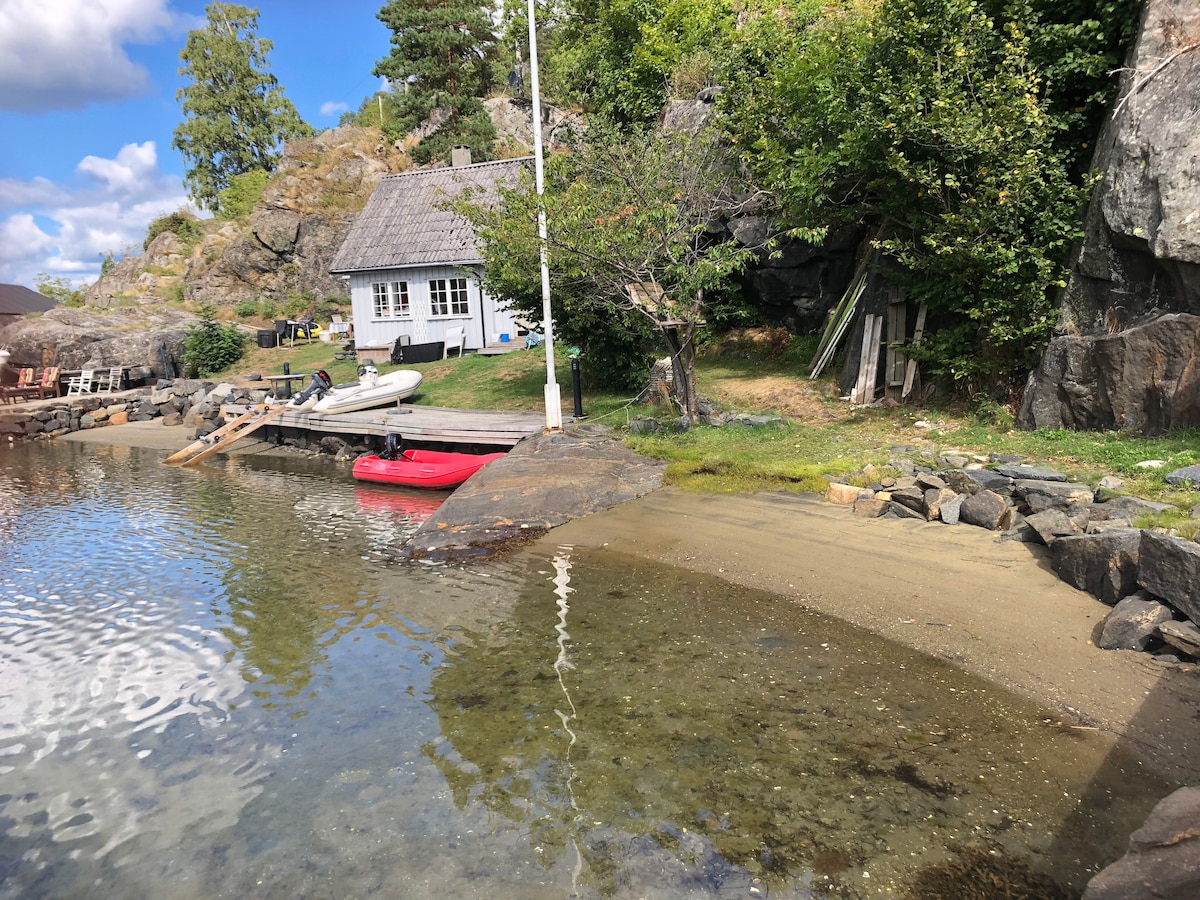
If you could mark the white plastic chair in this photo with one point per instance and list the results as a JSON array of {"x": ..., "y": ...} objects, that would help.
[
  {"x": 455, "y": 337},
  {"x": 83, "y": 383}
]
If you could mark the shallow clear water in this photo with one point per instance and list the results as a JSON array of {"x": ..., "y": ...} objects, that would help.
[{"x": 218, "y": 683}]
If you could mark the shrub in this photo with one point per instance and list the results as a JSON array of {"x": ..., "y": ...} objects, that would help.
[
  {"x": 185, "y": 226},
  {"x": 244, "y": 191},
  {"x": 268, "y": 308},
  {"x": 210, "y": 347},
  {"x": 246, "y": 309}
]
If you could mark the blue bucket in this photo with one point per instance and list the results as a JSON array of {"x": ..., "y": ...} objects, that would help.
[{"x": 504, "y": 338}]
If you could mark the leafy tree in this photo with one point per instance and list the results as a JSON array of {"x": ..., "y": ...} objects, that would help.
[
  {"x": 440, "y": 60},
  {"x": 235, "y": 113},
  {"x": 619, "y": 56},
  {"x": 210, "y": 348},
  {"x": 635, "y": 232},
  {"x": 59, "y": 290},
  {"x": 927, "y": 119}
]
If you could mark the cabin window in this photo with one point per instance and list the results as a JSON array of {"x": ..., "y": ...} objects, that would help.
[
  {"x": 448, "y": 297},
  {"x": 390, "y": 299}
]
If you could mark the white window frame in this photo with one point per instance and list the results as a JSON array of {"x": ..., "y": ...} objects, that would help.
[
  {"x": 390, "y": 300},
  {"x": 449, "y": 298}
]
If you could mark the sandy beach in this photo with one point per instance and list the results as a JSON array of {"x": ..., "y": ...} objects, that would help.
[{"x": 994, "y": 609}]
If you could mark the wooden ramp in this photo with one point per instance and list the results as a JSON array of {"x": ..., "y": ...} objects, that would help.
[{"x": 232, "y": 431}]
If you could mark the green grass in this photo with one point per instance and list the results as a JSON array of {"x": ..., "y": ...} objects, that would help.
[{"x": 792, "y": 456}]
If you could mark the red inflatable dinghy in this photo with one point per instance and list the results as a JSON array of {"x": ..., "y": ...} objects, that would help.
[{"x": 432, "y": 469}]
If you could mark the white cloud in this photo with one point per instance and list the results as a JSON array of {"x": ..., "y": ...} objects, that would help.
[
  {"x": 20, "y": 238},
  {"x": 67, "y": 230},
  {"x": 67, "y": 54},
  {"x": 333, "y": 109},
  {"x": 15, "y": 193}
]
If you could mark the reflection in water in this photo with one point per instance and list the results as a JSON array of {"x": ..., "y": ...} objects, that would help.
[
  {"x": 214, "y": 683},
  {"x": 562, "y": 581}
]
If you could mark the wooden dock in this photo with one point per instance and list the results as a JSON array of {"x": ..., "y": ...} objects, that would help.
[{"x": 502, "y": 428}]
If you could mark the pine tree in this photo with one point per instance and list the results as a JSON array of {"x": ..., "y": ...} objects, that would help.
[
  {"x": 440, "y": 59},
  {"x": 235, "y": 113}
]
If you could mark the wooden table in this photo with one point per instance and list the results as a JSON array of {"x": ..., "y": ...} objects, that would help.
[{"x": 286, "y": 381}]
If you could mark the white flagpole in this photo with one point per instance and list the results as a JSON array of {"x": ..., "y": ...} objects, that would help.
[{"x": 553, "y": 398}]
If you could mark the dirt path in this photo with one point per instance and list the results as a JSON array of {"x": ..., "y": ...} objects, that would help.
[{"x": 995, "y": 609}]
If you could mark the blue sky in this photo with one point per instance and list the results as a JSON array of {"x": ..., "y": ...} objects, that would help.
[{"x": 87, "y": 110}]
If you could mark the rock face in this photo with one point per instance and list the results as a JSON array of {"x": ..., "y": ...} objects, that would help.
[
  {"x": 1164, "y": 855},
  {"x": 84, "y": 338},
  {"x": 283, "y": 250},
  {"x": 1128, "y": 350}
]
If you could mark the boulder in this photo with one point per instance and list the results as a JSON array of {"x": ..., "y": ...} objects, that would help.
[
  {"x": 950, "y": 510},
  {"x": 900, "y": 511},
  {"x": 1163, "y": 860},
  {"x": 934, "y": 498},
  {"x": 1129, "y": 354},
  {"x": 972, "y": 481},
  {"x": 1039, "y": 495},
  {"x": 845, "y": 494},
  {"x": 1188, "y": 475},
  {"x": 870, "y": 508},
  {"x": 912, "y": 498},
  {"x": 1104, "y": 565},
  {"x": 1183, "y": 636},
  {"x": 1133, "y": 623},
  {"x": 1035, "y": 473},
  {"x": 1130, "y": 507},
  {"x": 985, "y": 509},
  {"x": 1051, "y": 524},
  {"x": 1169, "y": 567}
]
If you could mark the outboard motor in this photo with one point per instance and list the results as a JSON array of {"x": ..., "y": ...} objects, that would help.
[
  {"x": 321, "y": 382},
  {"x": 391, "y": 446}
]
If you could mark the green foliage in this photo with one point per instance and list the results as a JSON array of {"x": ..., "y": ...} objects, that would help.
[
  {"x": 235, "y": 113},
  {"x": 247, "y": 309},
  {"x": 59, "y": 290},
  {"x": 184, "y": 225},
  {"x": 211, "y": 348},
  {"x": 267, "y": 308},
  {"x": 927, "y": 119},
  {"x": 440, "y": 58},
  {"x": 619, "y": 57},
  {"x": 638, "y": 209},
  {"x": 107, "y": 264},
  {"x": 1076, "y": 46},
  {"x": 244, "y": 192},
  {"x": 298, "y": 305}
]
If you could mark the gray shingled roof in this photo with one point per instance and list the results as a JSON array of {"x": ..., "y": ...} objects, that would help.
[
  {"x": 16, "y": 300},
  {"x": 402, "y": 224}
]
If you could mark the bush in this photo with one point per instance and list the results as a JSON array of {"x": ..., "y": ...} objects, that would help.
[
  {"x": 211, "y": 348},
  {"x": 185, "y": 226},
  {"x": 244, "y": 191},
  {"x": 246, "y": 309}
]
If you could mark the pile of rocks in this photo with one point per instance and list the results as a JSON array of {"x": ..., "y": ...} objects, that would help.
[
  {"x": 1150, "y": 577},
  {"x": 182, "y": 401}
]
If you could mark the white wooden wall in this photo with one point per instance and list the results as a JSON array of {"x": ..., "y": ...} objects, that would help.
[{"x": 484, "y": 322}]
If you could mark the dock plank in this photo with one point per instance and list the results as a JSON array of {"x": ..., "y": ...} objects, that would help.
[{"x": 419, "y": 423}]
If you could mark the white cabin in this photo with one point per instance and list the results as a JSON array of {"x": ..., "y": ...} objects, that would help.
[{"x": 414, "y": 266}]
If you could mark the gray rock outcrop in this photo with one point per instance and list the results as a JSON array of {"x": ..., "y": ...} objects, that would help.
[
  {"x": 1163, "y": 861},
  {"x": 1127, "y": 355}
]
